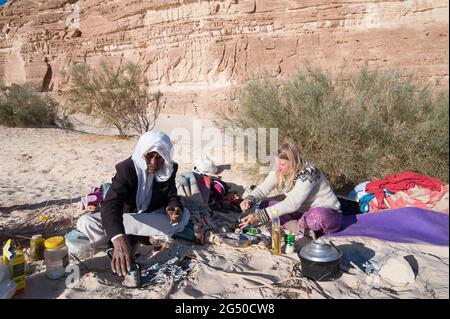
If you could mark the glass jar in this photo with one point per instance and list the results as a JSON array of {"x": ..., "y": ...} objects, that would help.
[
  {"x": 37, "y": 248},
  {"x": 56, "y": 256}
]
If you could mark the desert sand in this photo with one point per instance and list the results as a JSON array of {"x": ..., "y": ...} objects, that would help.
[{"x": 46, "y": 171}]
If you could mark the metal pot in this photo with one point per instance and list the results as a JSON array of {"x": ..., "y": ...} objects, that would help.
[{"x": 320, "y": 261}]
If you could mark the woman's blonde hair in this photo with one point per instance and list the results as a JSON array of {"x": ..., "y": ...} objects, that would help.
[{"x": 289, "y": 151}]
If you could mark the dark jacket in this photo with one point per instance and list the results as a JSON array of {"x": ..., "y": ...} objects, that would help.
[{"x": 121, "y": 197}]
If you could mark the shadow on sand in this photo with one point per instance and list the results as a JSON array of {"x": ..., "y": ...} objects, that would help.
[{"x": 9, "y": 209}]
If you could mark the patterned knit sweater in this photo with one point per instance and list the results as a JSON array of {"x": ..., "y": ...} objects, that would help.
[{"x": 311, "y": 189}]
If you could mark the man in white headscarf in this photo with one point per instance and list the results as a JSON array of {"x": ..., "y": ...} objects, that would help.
[{"x": 141, "y": 201}]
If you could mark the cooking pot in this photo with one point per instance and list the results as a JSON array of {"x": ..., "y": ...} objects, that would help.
[{"x": 320, "y": 261}]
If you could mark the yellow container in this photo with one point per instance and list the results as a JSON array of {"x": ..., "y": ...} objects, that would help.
[
  {"x": 56, "y": 257},
  {"x": 55, "y": 242},
  {"x": 17, "y": 270}
]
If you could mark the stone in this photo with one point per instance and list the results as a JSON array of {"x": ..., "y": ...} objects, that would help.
[{"x": 397, "y": 272}]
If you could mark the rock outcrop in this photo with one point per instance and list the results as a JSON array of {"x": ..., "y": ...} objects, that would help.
[{"x": 199, "y": 53}]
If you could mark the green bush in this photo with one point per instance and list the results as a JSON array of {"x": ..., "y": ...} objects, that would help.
[
  {"x": 23, "y": 106},
  {"x": 121, "y": 98},
  {"x": 355, "y": 128}
]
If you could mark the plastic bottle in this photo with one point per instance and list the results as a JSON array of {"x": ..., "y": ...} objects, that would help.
[
  {"x": 290, "y": 240},
  {"x": 276, "y": 233},
  {"x": 56, "y": 257},
  {"x": 79, "y": 244},
  {"x": 7, "y": 286},
  {"x": 4, "y": 272},
  {"x": 16, "y": 265},
  {"x": 37, "y": 248}
]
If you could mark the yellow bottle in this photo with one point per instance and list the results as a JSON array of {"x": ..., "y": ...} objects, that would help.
[{"x": 276, "y": 233}]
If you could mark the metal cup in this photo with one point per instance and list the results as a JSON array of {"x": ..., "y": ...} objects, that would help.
[{"x": 133, "y": 277}]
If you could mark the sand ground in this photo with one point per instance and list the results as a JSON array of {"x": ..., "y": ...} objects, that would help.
[{"x": 46, "y": 171}]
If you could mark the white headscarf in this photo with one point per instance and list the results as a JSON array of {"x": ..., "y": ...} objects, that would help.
[{"x": 151, "y": 142}]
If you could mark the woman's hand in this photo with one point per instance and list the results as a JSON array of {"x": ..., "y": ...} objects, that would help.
[
  {"x": 174, "y": 213},
  {"x": 249, "y": 220},
  {"x": 245, "y": 204}
]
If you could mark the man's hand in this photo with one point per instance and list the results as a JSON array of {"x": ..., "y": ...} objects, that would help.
[
  {"x": 249, "y": 220},
  {"x": 245, "y": 204},
  {"x": 174, "y": 213},
  {"x": 121, "y": 260}
]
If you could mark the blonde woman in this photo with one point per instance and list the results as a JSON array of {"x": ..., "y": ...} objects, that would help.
[{"x": 308, "y": 195}]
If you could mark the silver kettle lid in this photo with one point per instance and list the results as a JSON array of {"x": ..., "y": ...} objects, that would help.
[{"x": 319, "y": 251}]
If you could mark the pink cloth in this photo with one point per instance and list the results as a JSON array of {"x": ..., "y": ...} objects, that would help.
[
  {"x": 94, "y": 198},
  {"x": 204, "y": 185},
  {"x": 401, "y": 182}
]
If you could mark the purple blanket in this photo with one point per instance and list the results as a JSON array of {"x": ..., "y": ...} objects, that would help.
[{"x": 404, "y": 225}]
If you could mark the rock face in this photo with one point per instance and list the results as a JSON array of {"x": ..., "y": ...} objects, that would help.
[{"x": 199, "y": 53}]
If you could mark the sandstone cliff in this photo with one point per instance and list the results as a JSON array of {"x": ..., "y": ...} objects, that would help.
[{"x": 200, "y": 52}]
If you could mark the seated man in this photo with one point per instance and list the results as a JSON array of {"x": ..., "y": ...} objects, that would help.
[{"x": 141, "y": 201}]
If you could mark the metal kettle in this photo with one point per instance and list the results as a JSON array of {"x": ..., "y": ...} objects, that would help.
[{"x": 320, "y": 261}]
